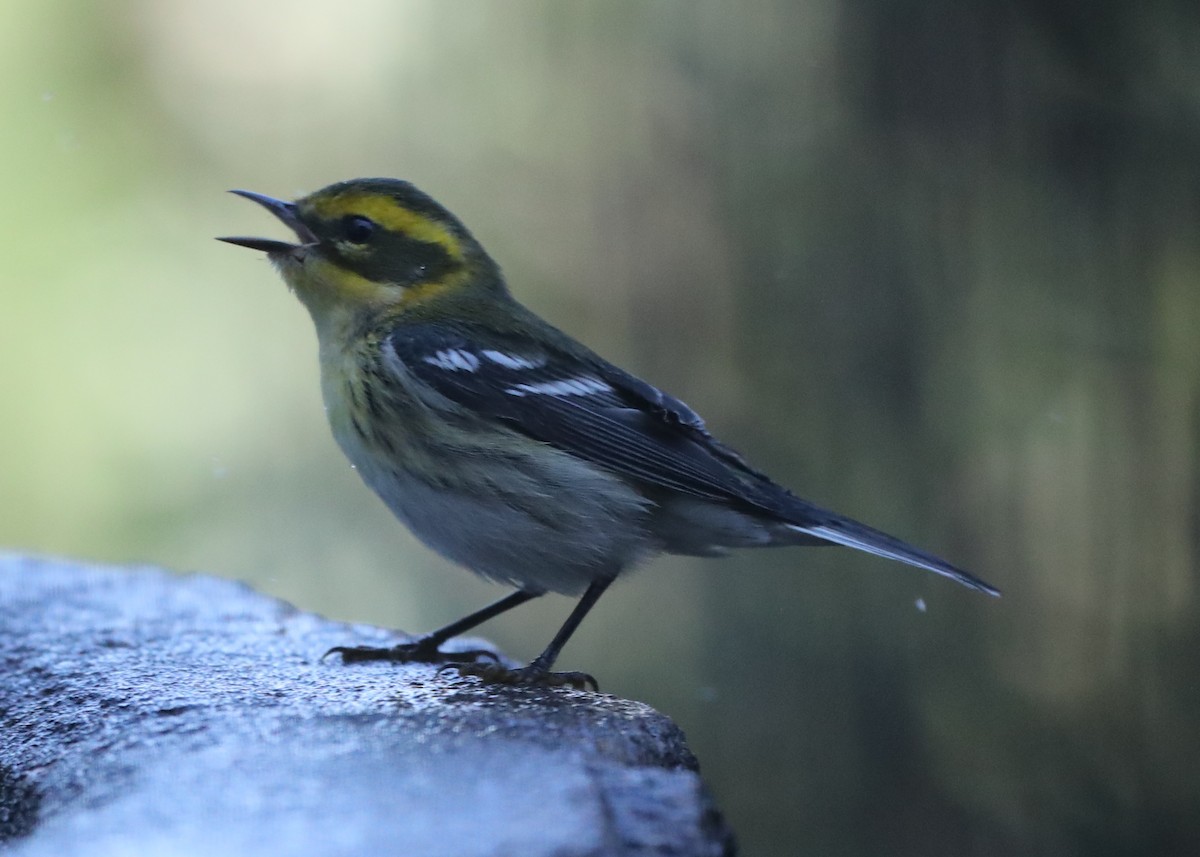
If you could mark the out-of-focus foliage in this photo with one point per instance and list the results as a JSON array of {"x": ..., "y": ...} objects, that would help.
[{"x": 934, "y": 264}]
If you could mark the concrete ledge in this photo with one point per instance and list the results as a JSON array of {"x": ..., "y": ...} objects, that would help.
[{"x": 154, "y": 714}]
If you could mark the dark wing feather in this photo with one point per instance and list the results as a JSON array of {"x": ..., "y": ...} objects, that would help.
[{"x": 586, "y": 407}]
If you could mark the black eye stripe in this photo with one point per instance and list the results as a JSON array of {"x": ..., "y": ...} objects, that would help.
[
  {"x": 387, "y": 256},
  {"x": 358, "y": 229}
]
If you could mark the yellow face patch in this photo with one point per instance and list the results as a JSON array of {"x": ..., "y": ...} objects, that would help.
[
  {"x": 334, "y": 283},
  {"x": 319, "y": 282},
  {"x": 389, "y": 214}
]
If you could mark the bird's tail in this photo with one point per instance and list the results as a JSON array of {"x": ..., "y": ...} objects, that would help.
[{"x": 835, "y": 529}]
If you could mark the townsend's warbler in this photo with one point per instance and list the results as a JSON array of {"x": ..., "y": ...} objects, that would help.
[{"x": 502, "y": 443}]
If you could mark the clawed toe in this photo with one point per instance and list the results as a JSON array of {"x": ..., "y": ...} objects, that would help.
[{"x": 481, "y": 663}]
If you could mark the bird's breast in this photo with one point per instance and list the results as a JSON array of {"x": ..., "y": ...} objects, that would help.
[{"x": 506, "y": 506}]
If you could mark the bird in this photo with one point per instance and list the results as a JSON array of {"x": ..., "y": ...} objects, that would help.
[{"x": 501, "y": 442}]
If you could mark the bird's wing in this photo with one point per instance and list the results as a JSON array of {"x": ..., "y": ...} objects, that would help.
[{"x": 586, "y": 407}]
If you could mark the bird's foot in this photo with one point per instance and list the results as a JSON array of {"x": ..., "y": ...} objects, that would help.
[
  {"x": 423, "y": 651},
  {"x": 494, "y": 672}
]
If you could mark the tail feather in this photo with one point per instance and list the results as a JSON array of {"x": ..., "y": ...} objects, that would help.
[{"x": 851, "y": 534}]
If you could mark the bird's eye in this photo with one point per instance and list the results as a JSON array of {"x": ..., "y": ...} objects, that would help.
[{"x": 358, "y": 229}]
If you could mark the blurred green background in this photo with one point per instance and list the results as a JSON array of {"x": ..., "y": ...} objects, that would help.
[{"x": 934, "y": 264}]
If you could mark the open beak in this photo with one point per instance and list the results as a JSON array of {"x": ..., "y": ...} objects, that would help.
[{"x": 285, "y": 211}]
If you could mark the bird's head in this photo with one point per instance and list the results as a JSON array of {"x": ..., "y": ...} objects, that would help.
[{"x": 367, "y": 247}]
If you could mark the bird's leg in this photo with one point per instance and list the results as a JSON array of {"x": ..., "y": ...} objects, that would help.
[
  {"x": 427, "y": 649},
  {"x": 538, "y": 672}
]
